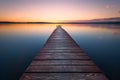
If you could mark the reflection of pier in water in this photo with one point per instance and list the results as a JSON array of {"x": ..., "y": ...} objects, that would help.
[{"x": 62, "y": 59}]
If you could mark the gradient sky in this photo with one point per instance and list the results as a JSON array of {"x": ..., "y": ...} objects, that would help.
[{"x": 57, "y": 10}]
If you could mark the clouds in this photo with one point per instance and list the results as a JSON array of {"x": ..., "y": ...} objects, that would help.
[
  {"x": 112, "y": 7},
  {"x": 109, "y": 6},
  {"x": 119, "y": 12}
]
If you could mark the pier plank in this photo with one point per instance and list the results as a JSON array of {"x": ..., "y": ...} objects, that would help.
[{"x": 63, "y": 76}]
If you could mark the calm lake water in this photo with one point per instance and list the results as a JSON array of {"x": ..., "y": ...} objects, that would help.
[{"x": 19, "y": 43}]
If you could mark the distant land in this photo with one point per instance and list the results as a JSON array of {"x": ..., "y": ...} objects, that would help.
[{"x": 115, "y": 20}]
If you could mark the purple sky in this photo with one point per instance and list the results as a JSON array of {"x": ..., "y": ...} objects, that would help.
[{"x": 57, "y": 10}]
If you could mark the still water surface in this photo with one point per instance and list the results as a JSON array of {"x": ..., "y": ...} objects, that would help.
[{"x": 19, "y": 43}]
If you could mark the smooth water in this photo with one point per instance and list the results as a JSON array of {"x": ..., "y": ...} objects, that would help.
[{"x": 19, "y": 43}]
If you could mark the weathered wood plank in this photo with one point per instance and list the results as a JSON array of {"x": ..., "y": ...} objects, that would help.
[
  {"x": 62, "y": 62},
  {"x": 61, "y": 50},
  {"x": 63, "y": 76},
  {"x": 61, "y": 57},
  {"x": 58, "y": 54},
  {"x": 62, "y": 68}
]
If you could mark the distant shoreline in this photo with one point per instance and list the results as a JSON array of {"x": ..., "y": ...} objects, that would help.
[{"x": 60, "y": 22}]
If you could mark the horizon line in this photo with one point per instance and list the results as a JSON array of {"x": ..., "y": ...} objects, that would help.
[
  {"x": 62, "y": 21},
  {"x": 108, "y": 22}
]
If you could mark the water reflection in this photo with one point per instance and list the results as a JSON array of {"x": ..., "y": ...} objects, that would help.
[
  {"x": 101, "y": 43},
  {"x": 19, "y": 43}
]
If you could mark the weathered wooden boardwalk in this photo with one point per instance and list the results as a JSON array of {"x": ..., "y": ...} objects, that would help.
[{"x": 62, "y": 59}]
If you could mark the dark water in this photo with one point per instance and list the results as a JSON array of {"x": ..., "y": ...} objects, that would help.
[{"x": 19, "y": 43}]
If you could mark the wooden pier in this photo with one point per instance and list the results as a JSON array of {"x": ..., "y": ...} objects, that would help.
[{"x": 62, "y": 59}]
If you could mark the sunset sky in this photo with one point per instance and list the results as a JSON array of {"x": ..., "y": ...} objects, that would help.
[{"x": 57, "y": 10}]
